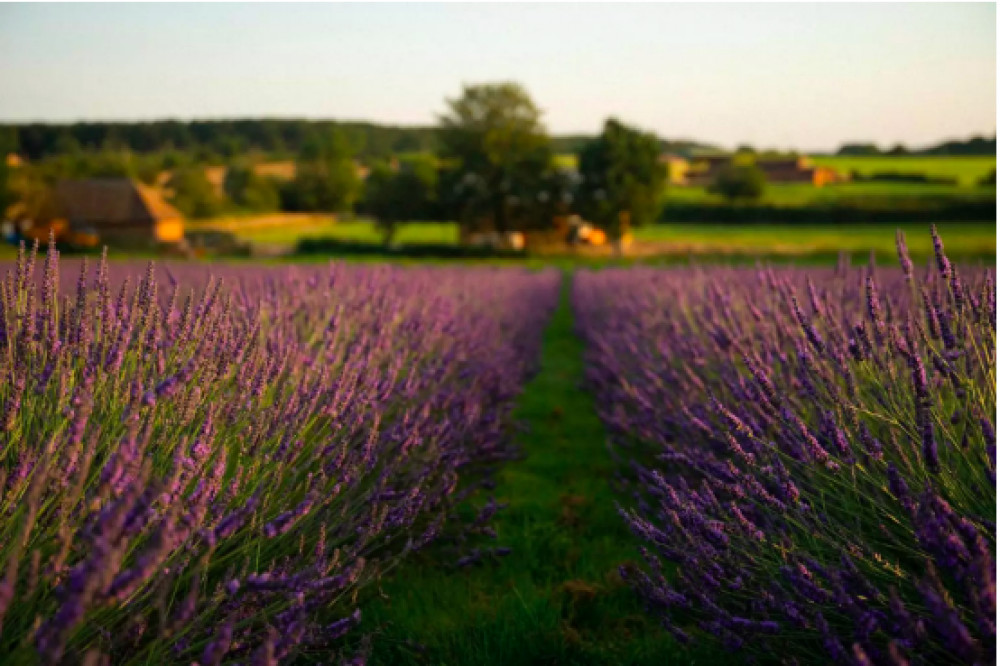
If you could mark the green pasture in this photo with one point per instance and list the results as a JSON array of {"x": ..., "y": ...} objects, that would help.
[
  {"x": 801, "y": 194},
  {"x": 352, "y": 230},
  {"x": 710, "y": 241},
  {"x": 963, "y": 240},
  {"x": 967, "y": 169}
]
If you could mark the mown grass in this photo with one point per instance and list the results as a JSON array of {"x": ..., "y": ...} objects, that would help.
[
  {"x": 964, "y": 239},
  {"x": 354, "y": 230},
  {"x": 674, "y": 243},
  {"x": 744, "y": 244},
  {"x": 966, "y": 168},
  {"x": 557, "y": 598},
  {"x": 803, "y": 194}
]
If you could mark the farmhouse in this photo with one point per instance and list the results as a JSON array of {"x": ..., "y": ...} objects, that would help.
[
  {"x": 677, "y": 168},
  {"x": 121, "y": 211},
  {"x": 796, "y": 170},
  {"x": 703, "y": 170}
]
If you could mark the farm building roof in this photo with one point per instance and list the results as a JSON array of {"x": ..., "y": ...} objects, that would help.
[{"x": 104, "y": 201}]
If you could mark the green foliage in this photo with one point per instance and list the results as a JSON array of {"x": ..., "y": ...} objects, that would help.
[
  {"x": 192, "y": 194},
  {"x": 977, "y": 145},
  {"x": 621, "y": 172},
  {"x": 215, "y": 139},
  {"x": 8, "y": 144},
  {"x": 406, "y": 193},
  {"x": 494, "y": 135},
  {"x": 859, "y": 149},
  {"x": 967, "y": 168},
  {"x": 326, "y": 177},
  {"x": 740, "y": 182},
  {"x": 249, "y": 191},
  {"x": 110, "y": 163}
]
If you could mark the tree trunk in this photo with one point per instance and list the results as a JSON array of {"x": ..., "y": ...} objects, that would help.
[{"x": 624, "y": 224}]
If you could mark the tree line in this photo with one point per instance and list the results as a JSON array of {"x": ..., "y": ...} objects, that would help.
[
  {"x": 488, "y": 164},
  {"x": 215, "y": 141},
  {"x": 977, "y": 145},
  {"x": 219, "y": 141}
]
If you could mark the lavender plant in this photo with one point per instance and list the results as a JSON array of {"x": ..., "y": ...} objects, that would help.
[
  {"x": 208, "y": 469},
  {"x": 812, "y": 454}
]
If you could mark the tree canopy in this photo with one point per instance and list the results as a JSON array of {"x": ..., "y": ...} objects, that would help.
[
  {"x": 248, "y": 190},
  {"x": 740, "y": 182},
  {"x": 621, "y": 172},
  {"x": 8, "y": 144},
  {"x": 494, "y": 137},
  {"x": 192, "y": 194},
  {"x": 405, "y": 193},
  {"x": 216, "y": 140},
  {"x": 326, "y": 176}
]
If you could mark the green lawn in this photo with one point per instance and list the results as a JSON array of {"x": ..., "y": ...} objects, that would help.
[
  {"x": 799, "y": 194},
  {"x": 557, "y": 598},
  {"x": 359, "y": 230},
  {"x": 963, "y": 240},
  {"x": 705, "y": 241},
  {"x": 968, "y": 169},
  {"x": 971, "y": 238}
]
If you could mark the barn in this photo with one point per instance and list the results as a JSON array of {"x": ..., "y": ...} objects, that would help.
[{"x": 121, "y": 211}]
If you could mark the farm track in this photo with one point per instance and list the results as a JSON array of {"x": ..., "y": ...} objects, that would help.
[{"x": 557, "y": 598}]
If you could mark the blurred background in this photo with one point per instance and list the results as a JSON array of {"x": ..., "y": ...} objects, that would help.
[{"x": 534, "y": 133}]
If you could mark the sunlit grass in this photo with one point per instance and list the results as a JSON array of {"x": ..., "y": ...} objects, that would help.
[
  {"x": 963, "y": 238},
  {"x": 968, "y": 169}
]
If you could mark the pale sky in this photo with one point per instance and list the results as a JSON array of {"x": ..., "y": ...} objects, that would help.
[{"x": 805, "y": 76}]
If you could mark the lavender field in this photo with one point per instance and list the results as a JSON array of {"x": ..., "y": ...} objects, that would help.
[
  {"x": 238, "y": 464},
  {"x": 811, "y": 455},
  {"x": 208, "y": 469}
]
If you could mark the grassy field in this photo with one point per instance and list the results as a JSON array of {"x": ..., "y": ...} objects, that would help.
[
  {"x": 967, "y": 169},
  {"x": 357, "y": 230},
  {"x": 557, "y": 597},
  {"x": 708, "y": 242},
  {"x": 797, "y": 194},
  {"x": 961, "y": 239}
]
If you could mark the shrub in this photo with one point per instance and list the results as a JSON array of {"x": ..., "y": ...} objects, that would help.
[{"x": 740, "y": 182}]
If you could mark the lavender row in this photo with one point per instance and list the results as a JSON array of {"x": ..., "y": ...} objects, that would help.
[
  {"x": 207, "y": 469},
  {"x": 810, "y": 454}
]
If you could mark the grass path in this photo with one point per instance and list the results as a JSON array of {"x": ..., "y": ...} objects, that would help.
[{"x": 557, "y": 598}]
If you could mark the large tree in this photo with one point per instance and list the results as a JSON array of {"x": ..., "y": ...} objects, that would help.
[
  {"x": 407, "y": 193},
  {"x": 192, "y": 194},
  {"x": 622, "y": 178},
  {"x": 250, "y": 191},
  {"x": 494, "y": 138},
  {"x": 326, "y": 176}
]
